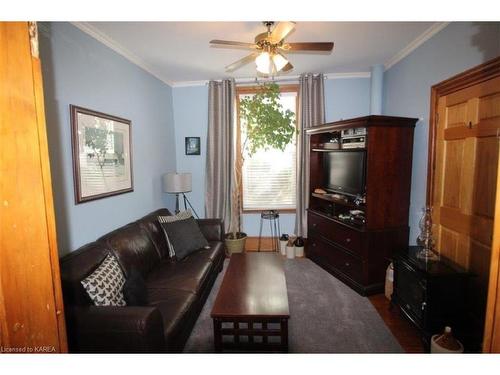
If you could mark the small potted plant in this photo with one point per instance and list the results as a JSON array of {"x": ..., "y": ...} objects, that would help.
[{"x": 264, "y": 125}]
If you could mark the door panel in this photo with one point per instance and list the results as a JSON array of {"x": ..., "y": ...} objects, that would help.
[
  {"x": 454, "y": 155},
  {"x": 485, "y": 178}
]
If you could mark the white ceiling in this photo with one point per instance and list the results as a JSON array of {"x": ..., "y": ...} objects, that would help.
[{"x": 179, "y": 52}]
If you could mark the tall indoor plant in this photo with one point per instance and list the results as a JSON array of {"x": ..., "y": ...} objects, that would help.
[{"x": 264, "y": 125}]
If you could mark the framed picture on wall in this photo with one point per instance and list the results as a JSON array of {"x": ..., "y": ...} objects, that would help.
[
  {"x": 102, "y": 154},
  {"x": 192, "y": 145}
]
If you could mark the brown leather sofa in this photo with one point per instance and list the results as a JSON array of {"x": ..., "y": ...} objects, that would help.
[{"x": 176, "y": 290}]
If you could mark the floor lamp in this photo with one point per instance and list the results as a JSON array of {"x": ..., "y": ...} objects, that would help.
[{"x": 178, "y": 183}]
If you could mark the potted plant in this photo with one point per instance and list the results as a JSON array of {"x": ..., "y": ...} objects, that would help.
[{"x": 264, "y": 125}]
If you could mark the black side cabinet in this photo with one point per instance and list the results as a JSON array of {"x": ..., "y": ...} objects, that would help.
[{"x": 430, "y": 294}]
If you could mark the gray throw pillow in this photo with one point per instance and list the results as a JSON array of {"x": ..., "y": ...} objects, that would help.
[{"x": 183, "y": 234}]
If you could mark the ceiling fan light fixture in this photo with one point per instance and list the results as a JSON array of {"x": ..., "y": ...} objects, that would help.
[
  {"x": 263, "y": 63},
  {"x": 279, "y": 61}
]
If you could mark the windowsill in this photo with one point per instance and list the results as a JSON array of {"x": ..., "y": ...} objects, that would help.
[{"x": 281, "y": 211}]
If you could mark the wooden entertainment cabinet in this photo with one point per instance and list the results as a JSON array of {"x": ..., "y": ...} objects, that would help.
[{"x": 357, "y": 250}]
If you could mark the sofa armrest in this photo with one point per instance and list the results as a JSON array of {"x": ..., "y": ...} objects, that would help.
[
  {"x": 115, "y": 329},
  {"x": 212, "y": 229}
]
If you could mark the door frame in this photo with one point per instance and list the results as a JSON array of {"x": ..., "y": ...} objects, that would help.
[{"x": 481, "y": 73}]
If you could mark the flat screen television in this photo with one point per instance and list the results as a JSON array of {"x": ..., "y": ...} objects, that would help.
[{"x": 345, "y": 172}]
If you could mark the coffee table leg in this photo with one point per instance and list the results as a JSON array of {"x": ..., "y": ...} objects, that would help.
[
  {"x": 284, "y": 335},
  {"x": 217, "y": 335}
]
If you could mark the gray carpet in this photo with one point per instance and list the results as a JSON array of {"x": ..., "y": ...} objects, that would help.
[{"x": 326, "y": 316}]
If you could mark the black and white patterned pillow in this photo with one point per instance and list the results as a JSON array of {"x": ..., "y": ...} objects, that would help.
[{"x": 105, "y": 285}]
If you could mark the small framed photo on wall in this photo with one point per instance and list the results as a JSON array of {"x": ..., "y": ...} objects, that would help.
[{"x": 192, "y": 145}]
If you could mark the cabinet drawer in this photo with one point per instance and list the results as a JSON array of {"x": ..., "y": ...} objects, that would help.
[
  {"x": 338, "y": 233},
  {"x": 335, "y": 257}
]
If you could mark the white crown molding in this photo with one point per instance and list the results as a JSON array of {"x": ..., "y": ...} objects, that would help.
[
  {"x": 294, "y": 78},
  {"x": 347, "y": 75},
  {"x": 415, "y": 43},
  {"x": 115, "y": 46}
]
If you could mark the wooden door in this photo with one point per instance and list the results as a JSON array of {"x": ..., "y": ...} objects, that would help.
[
  {"x": 492, "y": 326},
  {"x": 463, "y": 184},
  {"x": 31, "y": 309}
]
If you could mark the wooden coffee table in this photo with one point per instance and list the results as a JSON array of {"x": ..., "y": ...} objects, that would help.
[{"x": 251, "y": 309}]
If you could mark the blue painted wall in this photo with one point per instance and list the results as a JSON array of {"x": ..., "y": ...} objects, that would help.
[
  {"x": 79, "y": 70},
  {"x": 344, "y": 98},
  {"x": 407, "y": 86}
]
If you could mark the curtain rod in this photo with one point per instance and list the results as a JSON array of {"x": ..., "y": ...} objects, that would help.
[{"x": 250, "y": 81}]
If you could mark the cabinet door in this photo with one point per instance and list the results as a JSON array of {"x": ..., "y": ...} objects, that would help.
[
  {"x": 31, "y": 312},
  {"x": 410, "y": 291}
]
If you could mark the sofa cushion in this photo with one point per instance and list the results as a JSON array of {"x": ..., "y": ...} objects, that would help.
[
  {"x": 153, "y": 228},
  {"x": 214, "y": 252},
  {"x": 175, "y": 307},
  {"x": 133, "y": 248},
  {"x": 105, "y": 285},
  {"x": 183, "y": 233},
  {"x": 76, "y": 266},
  {"x": 187, "y": 274},
  {"x": 134, "y": 289}
]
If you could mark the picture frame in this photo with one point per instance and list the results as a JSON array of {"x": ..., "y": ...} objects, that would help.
[
  {"x": 102, "y": 154},
  {"x": 193, "y": 146}
]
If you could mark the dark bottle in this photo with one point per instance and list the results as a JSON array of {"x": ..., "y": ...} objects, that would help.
[
  {"x": 284, "y": 237},
  {"x": 299, "y": 242}
]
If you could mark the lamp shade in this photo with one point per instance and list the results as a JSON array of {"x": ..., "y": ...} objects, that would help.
[{"x": 177, "y": 182}]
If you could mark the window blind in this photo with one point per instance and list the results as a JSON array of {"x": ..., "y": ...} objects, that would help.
[{"x": 269, "y": 180}]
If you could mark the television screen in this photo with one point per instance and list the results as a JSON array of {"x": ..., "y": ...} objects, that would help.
[{"x": 345, "y": 171}]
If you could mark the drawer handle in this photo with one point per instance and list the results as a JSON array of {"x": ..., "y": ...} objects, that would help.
[
  {"x": 424, "y": 304},
  {"x": 314, "y": 225},
  {"x": 347, "y": 264},
  {"x": 314, "y": 244},
  {"x": 347, "y": 240}
]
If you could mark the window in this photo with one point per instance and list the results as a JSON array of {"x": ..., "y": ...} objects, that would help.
[{"x": 269, "y": 176}]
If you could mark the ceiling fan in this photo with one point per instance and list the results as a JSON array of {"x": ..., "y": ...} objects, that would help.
[{"x": 269, "y": 47}]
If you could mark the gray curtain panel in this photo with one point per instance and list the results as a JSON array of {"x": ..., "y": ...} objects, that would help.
[
  {"x": 220, "y": 151},
  {"x": 311, "y": 112}
]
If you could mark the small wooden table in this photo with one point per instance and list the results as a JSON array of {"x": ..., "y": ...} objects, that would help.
[{"x": 251, "y": 311}]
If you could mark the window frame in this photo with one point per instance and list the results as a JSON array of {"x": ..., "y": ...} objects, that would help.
[{"x": 245, "y": 90}]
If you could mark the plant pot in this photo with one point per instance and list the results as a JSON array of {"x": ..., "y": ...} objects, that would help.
[{"x": 235, "y": 245}]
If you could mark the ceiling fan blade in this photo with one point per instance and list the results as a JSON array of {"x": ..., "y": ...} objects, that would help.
[
  {"x": 305, "y": 46},
  {"x": 281, "y": 31},
  {"x": 241, "y": 62},
  {"x": 287, "y": 67},
  {"x": 230, "y": 43}
]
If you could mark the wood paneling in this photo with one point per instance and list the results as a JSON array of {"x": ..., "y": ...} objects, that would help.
[{"x": 31, "y": 316}]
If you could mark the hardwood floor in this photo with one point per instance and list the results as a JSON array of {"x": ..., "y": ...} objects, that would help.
[{"x": 405, "y": 333}]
